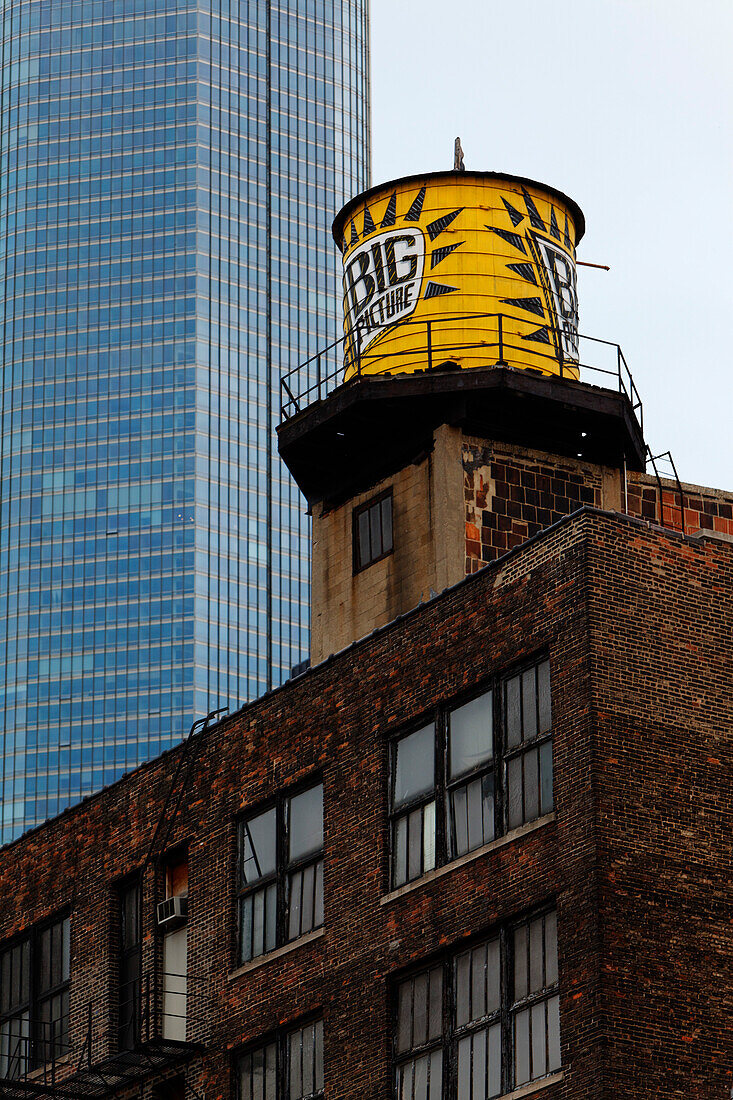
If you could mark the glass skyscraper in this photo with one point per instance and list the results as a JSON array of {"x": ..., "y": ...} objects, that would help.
[{"x": 168, "y": 173}]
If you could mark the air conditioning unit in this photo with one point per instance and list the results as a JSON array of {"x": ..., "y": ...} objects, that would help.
[{"x": 172, "y": 913}]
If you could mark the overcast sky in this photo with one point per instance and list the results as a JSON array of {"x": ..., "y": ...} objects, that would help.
[{"x": 626, "y": 106}]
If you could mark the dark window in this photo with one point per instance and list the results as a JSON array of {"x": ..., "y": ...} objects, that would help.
[
  {"x": 287, "y": 1067},
  {"x": 484, "y": 1020},
  {"x": 281, "y": 872},
  {"x": 478, "y": 770},
  {"x": 34, "y": 999},
  {"x": 129, "y": 966},
  {"x": 373, "y": 531}
]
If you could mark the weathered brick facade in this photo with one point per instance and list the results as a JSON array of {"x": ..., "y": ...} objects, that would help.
[{"x": 637, "y": 856}]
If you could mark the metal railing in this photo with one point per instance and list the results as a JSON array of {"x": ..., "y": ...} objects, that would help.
[
  {"x": 149, "y": 1021},
  {"x": 343, "y": 361}
]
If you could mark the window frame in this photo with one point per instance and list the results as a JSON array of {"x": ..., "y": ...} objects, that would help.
[
  {"x": 358, "y": 511},
  {"x": 284, "y": 868},
  {"x": 34, "y": 1056},
  {"x": 444, "y": 786},
  {"x": 280, "y": 1040},
  {"x": 509, "y": 1005},
  {"x": 128, "y": 1032}
]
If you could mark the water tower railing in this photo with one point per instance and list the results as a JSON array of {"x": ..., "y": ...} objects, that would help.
[{"x": 344, "y": 361}]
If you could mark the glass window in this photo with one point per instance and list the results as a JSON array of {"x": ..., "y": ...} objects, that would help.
[
  {"x": 483, "y": 1021},
  {"x": 528, "y": 723},
  {"x": 35, "y": 973},
  {"x": 281, "y": 873},
  {"x": 128, "y": 996},
  {"x": 373, "y": 531},
  {"x": 479, "y": 770},
  {"x": 413, "y": 805},
  {"x": 290, "y": 1065}
]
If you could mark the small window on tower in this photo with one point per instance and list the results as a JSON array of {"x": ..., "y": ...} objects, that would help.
[{"x": 373, "y": 531}]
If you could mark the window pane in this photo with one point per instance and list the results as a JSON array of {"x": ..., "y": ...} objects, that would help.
[
  {"x": 66, "y": 950},
  {"x": 514, "y": 783},
  {"x": 319, "y": 1055},
  {"x": 399, "y": 870},
  {"x": 543, "y": 697},
  {"x": 465, "y": 1050},
  {"x": 475, "y": 814},
  {"x": 364, "y": 557},
  {"x": 420, "y": 1010},
  {"x": 404, "y": 1016},
  {"x": 318, "y": 913},
  {"x": 536, "y": 947},
  {"x": 513, "y": 712},
  {"x": 459, "y": 820},
  {"x": 414, "y": 766},
  {"x": 495, "y": 1088},
  {"x": 387, "y": 524},
  {"x": 521, "y": 1047},
  {"x": 531, "y": 785},
  {"x": 44, "y": 971},
  {"x": 539, "y": 1040},
  {"x": 415, "y": 844},
  {"x": 463, "y": 989},
  {"x": 546, "y": 800},
  {"x": 305, "y": 823},
  {"x": 258, "y": 855},
  {"x": 471, "y": 735},
  {"x": 435, "y": 1015},
  {"x": 553, "y": 1034},
  {"x": 130, "y": 917},
  {"x": 529, "y": 704},
  {"x": 429, "y": 836},
  {"x": 375, "y": 531},
  {"x": 520, "y": 962},
  {"x": 493, "y": 976},
  {"x": 551, "y": 948},
  {"x": 295, "y": 915}
]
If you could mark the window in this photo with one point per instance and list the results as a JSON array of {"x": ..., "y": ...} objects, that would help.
[
  {"x": 34, "y": 999},
  {"x": 373, "y": 531},
  {"x": 483, "y": 1021},
  {"x": 129, "y": 966},
  {"x": 476, "y": 771},
  {"x": 281, "y": 872},
  {"x": 288, "y": 1067}
]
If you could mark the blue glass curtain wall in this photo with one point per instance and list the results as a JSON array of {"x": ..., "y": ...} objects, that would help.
[{"x": 168, "y": 174}]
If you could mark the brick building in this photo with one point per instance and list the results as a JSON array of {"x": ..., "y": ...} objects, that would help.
[{"x": 481, "y": 848}]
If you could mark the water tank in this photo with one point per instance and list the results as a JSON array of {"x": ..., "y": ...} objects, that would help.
[{"x": 460, "y": 269}]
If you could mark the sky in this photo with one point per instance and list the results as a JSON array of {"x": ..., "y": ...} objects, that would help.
[{"x": 625, "y": 105}]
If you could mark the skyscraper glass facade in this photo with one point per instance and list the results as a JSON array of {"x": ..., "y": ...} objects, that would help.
[{"x": 168, "y": 173}]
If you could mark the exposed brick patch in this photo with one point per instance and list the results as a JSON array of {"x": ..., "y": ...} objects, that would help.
[
  {"x": 509, "y": 498},
  {"x": 704, "y": 509}
]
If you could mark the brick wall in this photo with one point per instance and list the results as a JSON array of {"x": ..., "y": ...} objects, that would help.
[
  {"x": 511, "y": 493},
  {"x": 704, "y": 509},
  {"x": 638, "y": 859}
]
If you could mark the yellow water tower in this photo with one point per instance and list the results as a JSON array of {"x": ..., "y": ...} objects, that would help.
[
  {"x": 456, "y": 418},
  {"x": 466, "y": 268}
]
